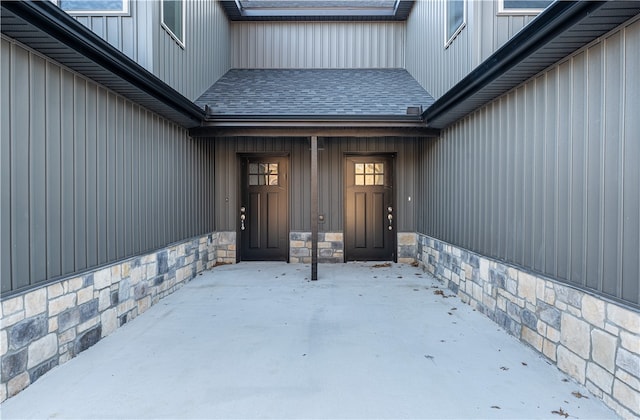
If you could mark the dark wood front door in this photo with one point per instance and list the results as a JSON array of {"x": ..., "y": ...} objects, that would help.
[
  {"x": 264, "y": 227},
  {"x": 369, "y": 208}
]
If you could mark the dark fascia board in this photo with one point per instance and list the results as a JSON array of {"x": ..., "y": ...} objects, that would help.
[
  {"x": 554, "y": 20},
  {"x": 53, "y": 21},
  {"x": 410, "y": 125}
]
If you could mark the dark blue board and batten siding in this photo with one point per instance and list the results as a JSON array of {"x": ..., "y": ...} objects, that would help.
[
  {"x": 547, "y": 176},
  {"x": 330, "y": 169},
  {"x": 87, "y": 177}
]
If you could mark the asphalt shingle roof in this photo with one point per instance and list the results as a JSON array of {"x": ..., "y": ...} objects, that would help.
[{"x": 331, "y": 92}]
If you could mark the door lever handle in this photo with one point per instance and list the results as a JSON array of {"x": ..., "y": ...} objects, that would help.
[{"x": 242, "y": 217}]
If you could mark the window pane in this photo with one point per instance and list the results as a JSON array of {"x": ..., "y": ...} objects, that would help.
[
  {"x": 253, "y": 179},
  {"x": 253, "y": 168},
  {"x": 368, "y": 180},
  {"x": 359, "y": 168},
  {"x": 263, "y": 167},
  {"x": 455, "y": 17},
  {"x": 262, "y": 179},
  {"x": 273, "y": 179},
  {"x": 379, "y": 168},
  {"x": 273, "y": 168},
  {"x": 379, "y": 179},
  {"x": 92, "y": 5},
  {"x": 368, "y": 168},
  {"x": 172, "y": 17},
  {"x": 359, "y": 179}
]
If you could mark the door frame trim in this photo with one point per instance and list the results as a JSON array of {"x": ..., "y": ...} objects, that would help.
[
  {"x": 240, "y": 156},
  {"x": 390, "y": 155}
]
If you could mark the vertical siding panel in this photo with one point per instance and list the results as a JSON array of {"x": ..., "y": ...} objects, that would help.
[
  {"x": 549, "y": 219},
  {"x": 563, "y": 168},
  {"x": 119, "y": 175},
  {"x": 111, "y": 139},
  {"x": 538, "y": 176},
  {"x": 135, "y": 179},
  {"x": 79, "y": 174},
  {"x": 37, "y": 170},
  {"x": 126, "y": 163},
  {"x": 91, "y": 117},
  {"x": 6, "y": 65},
  {"x": 20, "y": 168},
  {"x": 520, "y": 178},
  {"x": 611, "y": 153},
  {"x": 631, "y": 174},
  {"x": 68, "y": 175},
  {"x": 102, "y": 180},
  {"x": 595, "y": 126},
  {"x": 578, "y": 176}
]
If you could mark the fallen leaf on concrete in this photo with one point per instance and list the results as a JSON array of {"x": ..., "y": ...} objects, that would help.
[
  {"x": 524, "y": 364},
  {"x": 415, "y": 264},
  {"x": 454, "y": 309},
  {"x": 415, "y": 290},
  {"x": 504, "y": 368},
  {"x": 565, "y": 380},
  {"x": 560, "y": 412},
  {"x": 578, "y": 395},
  {"x": 438, "y": 292},
  {"x": 384, "y": 265},
  {"x": 496, "y": 407},
  {"x": 449, "y": 313}
]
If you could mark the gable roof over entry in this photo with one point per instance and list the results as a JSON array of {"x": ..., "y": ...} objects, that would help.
[
  {"x": 316, "y": 99},
  {"x": 326, "y": 92}
]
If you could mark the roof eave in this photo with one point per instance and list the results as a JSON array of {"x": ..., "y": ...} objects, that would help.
[
  {"x": 556, "y": 20},
  {"x": 57, "y": 24}
]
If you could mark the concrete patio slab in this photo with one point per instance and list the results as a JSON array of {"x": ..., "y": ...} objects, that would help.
[{"x": 258, "y": 340}]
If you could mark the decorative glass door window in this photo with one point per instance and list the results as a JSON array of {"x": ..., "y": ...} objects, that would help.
[
  {"x": 369, "y": 173},
  {"x": 263, "y": 174}
]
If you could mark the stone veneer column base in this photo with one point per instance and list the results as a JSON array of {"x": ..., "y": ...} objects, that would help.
[
  {"x": 45, "y": 327},
  {"x": 593, "y": 340},
  {"x": 330, "y": 247}
]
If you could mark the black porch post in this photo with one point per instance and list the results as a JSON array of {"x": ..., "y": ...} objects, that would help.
[{"x": 314, "y": 207}]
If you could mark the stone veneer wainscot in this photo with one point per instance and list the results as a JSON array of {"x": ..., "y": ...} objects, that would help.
[
  {"x": 593, "y": 340},
  {"x": 45, "y": 327}
]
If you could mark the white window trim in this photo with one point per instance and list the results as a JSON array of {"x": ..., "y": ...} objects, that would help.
[
  {"x": 502, "y": 11},
  {"x": 124, "y": 12},
  {"x": 175, "y": 37},
  {"x": 449, "y": 41}
]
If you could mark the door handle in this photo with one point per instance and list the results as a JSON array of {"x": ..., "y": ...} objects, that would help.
[
  {"x": 390, "y": 217},
  {"x": 243, "y": 216}
]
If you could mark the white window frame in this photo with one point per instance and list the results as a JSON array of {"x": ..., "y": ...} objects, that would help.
[
  {"x": 503, "y": 11},
  {"x": 175, "y": 37},
  {"x": 123, "y": 12},
  {"x": 449, "y": 40}
]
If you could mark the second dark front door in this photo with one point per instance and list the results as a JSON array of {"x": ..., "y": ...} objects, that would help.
[
  {"x": 264, "y": 230},
  {"x": 369, "y": 208}
]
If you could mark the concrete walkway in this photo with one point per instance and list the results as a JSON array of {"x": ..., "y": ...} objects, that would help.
[{"x": 259, "y": 340}]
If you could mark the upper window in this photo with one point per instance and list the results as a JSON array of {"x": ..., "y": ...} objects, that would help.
[
  {"x": 95, "y": 7},
  {"x": 522, "y": 7},
  {"x": 173, "y": 19},
  {"x": 455, "y": 20}
]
